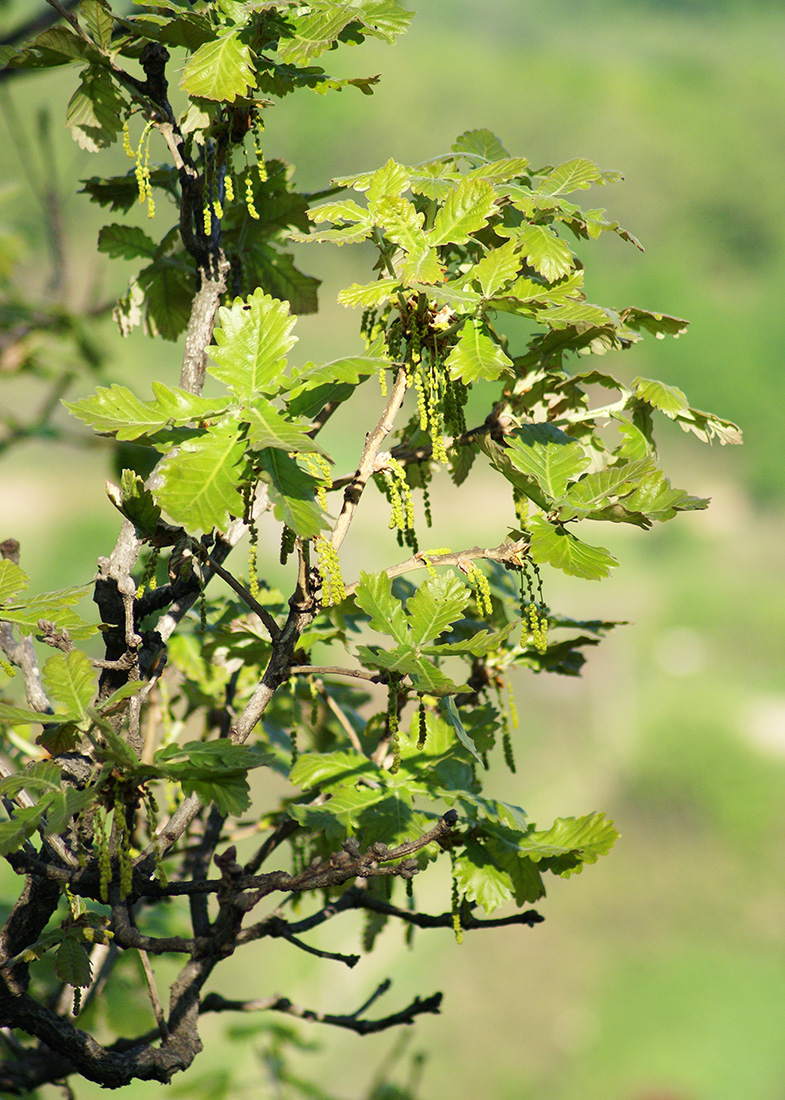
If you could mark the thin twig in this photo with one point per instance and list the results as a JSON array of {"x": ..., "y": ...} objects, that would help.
[
  {"x": 152, "y": 991},
  {"x": 505, "y": 552},
  {"x": 272, "y": 626},
  {"x": 373, "y": 442},
  {"x": 336, "y": 670}
]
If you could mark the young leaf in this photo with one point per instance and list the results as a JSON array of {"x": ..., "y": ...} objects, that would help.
[
  {"x": 546, "y": 252},
  {"x": 496, "y": 268},
  {"x": 585, "y": 838},
  {"x": 556, "y": 546},
  {"x": 573, "y": 175},
  {"x": 292, "y": 492},
  {"x": 267, "y": 427},
  {"x": 545, "y": 453},
  {"x": 95, "y": 111},
  {"x": 466, "y": 210},
  {"x": 125, "y": 242},
  {"x": 480, "y": 879},
  {"x": 454, "y": 718},
  {"x": 374, "y": 596},
  {"x": 476, "y": 356},
  {"x": 70, "y": 679},
  {"x": 72, "y": 963},
  {"x": 437, "y": 603},
  {"x": 13, "y": 579},
  {"x": 251, "y": 344},
  {"x": 200, "y": 481},
  {"x": 221, "y": 69},
  {"x": 480, "y": 144}
]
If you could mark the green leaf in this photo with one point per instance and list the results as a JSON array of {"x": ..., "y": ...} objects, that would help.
[
  {"x": 251, "y": 344},
  {"x": 545, "y": 453},
  {"x": 72, "y": 963},
  {"x": 480, "y": 144},
  {"x": 56, "y": 607},
  {"x": 374, "y": 596},
  {"x": 138, "y": 504},
  {"x": 20, "y": 828},
  {"x": 497, "y": 268},
  {"x": 668, "y": 399},
  {"x": 98, "y": 16},
  {"x": 426, "y": 677},
  {"x": 125, "y": 242},
  {"x": 292, "y": 492},
  {"x": 70, "y": 679},
  {"x": 330, "y": 769},
  {"x": 659, "y": 324},
  {"x": 221, "y": 70},
  {"x": 654, "y": 497},
  {"x": 268, "y": 427},
  {"x": 118, "y": 411},
  {"x": 369, "y": 294},
  {"x": 479, "y": 877},
  {"x": 168, "y": 292},
  {"x": 454, "y": 718},
  {"x": 466, "y": 210},
  {"x": 95, "y": 111},
  {"x": 475, "y": 356},
  {"x": 585, "y": 838},
  {"x": 200, "y": 481},
  {"x": 347, "y": 210},
  {"x": 216, "y": 771},
  {"x": 602, "y": 489},
  {"x": 546, "y": 252},
  {"x": 573, "y": 175},
  {"x": 13, "y": 579},
  {"x": 389, "y": 181},
  {"x": 558, "y": 547},
  {"x": 436, "y": 604}
]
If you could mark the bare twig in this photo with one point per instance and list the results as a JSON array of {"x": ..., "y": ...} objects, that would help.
[
  {"x": 152, "y": 990},
  {"x": 272, "y": 626},
  {"x": 373, "y": 442},
  {"x": 336, "y": 670},
  {"x": 505, "y": 552}
]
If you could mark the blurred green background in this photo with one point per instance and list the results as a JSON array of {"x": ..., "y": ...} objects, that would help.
[{"x": 659, "y": 974}]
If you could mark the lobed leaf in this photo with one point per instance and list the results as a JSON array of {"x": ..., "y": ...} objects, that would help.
[
  {"x": 200, "y": 482},
  {"x": 476, "y": 357},
  {"x": 251, "y": 343},
  {"x": 70, "y": 680},
  {"x": 374, "y": 596},
  {"x": 544, "y": 452},
  {"x": 221, "y": 69},
  {"x": 467, "y": 209},
  {"x": 556, "y": 546}
]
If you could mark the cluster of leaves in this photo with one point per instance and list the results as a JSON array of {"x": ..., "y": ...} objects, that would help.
[{"x": 463, "y": 242}]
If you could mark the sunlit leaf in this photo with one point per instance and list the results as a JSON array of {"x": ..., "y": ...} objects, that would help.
[
  {"x": 251, "y": 343},
  {"x": 69, "y": 678},
  {"x": 557, "y": 546},
  {"x": 200, "y": 482},
  {"x": 476, "y": 356},
  {"x": 466, "y": 210},
  {"x": 221, "y": 69}
]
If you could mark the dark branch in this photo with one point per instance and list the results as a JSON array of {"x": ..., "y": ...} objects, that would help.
[{"x": 213, "y": 1002}]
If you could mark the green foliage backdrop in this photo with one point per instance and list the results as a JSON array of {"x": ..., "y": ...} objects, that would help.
[{"x": 670, "y": 712}]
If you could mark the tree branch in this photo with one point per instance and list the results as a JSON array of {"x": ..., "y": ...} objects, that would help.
[
  {"x": 505, "y": 552},
  {"x": 213, "y": 1002},
  {"x": 374, "y": 440}
]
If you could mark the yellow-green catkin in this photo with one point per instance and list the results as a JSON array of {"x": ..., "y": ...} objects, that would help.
[
  {"x": 334, "y": 590},
  {"x": 287, "y": 544},
  {"x": 148, "y": 580},
  {"x": 456, "y": 907},
  {"x": 253, "y": 547},
  {"x": 401, "y": 502},
  {"x": 6, "y": 666},
  {"x": 123, "y": 846},
  {"x": 261, "y": 168},
  {"x": 101, "y": 842},
  {"x": 127, "y": 141},
  {"x": 382, "y": 380},
  {"x": 482, "y": 591},
  {"x": 142, "y": 170},
  {"x": 392, "y": 725},
  {"x": 229, "y": 188},
  {"x": 537, "y": 628},
  {"x": 320, "y": 469},
  {"x": 249, "y": 203}
]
